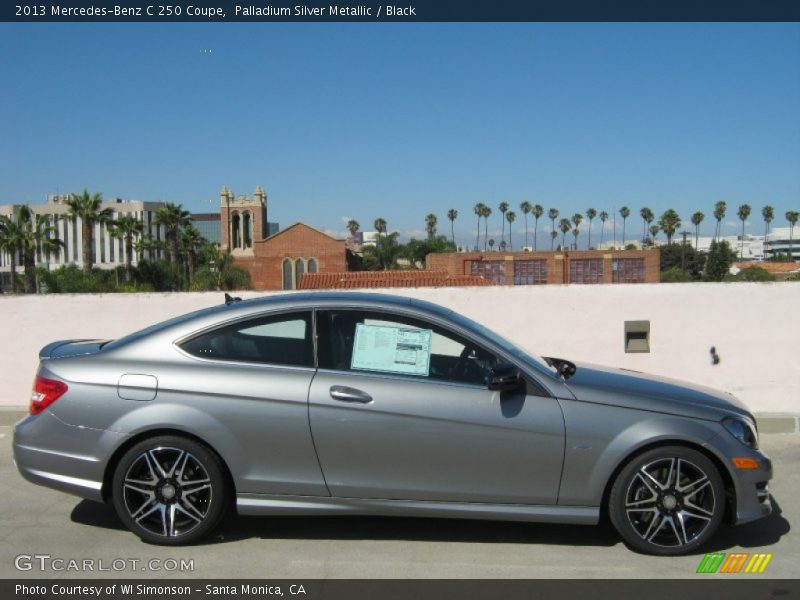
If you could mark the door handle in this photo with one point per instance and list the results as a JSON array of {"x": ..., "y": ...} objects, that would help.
[{"x": 343, "y": 393}]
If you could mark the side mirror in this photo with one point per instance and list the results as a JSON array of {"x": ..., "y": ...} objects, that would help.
[{"x": 504, "y": 377}]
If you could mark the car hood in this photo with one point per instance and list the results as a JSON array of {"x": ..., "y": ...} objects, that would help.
[{"x": 634, "y": 389}]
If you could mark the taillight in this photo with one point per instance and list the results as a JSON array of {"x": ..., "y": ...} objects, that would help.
[{"x": 45, "y": 392}]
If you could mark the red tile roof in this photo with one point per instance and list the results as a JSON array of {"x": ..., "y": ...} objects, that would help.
[
  {"x": 772, "y": 267},
  {"x": 388, "y": 279}
]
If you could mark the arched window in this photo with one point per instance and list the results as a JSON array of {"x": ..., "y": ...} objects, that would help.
[
  {"x": 312, "y": 265},
  {"x": 288, "y": 282},
  {"x": 248, "y": 230},
  {"x": 299, "y": 268},
  {"x": 235, "y": 226}
]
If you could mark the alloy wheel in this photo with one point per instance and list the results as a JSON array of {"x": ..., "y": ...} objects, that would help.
[
  {"x": 670, "y": 502},
  {"x": 167, "y": 491}
]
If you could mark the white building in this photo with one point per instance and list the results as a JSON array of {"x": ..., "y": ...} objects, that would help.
[
  {"x": 367, "y": 238},
  {"x": 109, "y": 252},
  {"x": 752, "y": 249},
  {"x": 778, "y": 242}
]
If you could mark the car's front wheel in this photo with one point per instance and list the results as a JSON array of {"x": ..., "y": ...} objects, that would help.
[
  {"x": 667, "y": 501},
  {"x": 169, "y": 490}
]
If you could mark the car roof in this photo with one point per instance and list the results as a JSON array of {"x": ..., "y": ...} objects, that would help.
[
  {"x": 327, "y": 297},
  {"x": 209, "y": 316}
]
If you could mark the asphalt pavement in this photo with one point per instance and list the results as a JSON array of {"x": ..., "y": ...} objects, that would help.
[{"x": 37, "y": 522}]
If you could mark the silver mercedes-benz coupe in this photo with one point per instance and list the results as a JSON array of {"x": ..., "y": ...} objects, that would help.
[{"x": 357, "y": 403}]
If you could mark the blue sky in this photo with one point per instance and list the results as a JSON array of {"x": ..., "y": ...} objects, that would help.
[{"x": 368, "y": 120}]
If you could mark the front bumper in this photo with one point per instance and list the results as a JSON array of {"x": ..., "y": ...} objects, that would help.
[{"x": 752, "y": 490}]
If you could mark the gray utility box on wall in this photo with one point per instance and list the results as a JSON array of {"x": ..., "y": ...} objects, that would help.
[{"x": 637, "y": 336}]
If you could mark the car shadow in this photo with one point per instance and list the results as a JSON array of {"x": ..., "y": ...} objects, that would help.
[
  {"x": 757, "y": 534},
  {"x": 763, "y": 532}
]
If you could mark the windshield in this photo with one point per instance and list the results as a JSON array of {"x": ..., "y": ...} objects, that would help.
[{"x": 532, "y": 359}]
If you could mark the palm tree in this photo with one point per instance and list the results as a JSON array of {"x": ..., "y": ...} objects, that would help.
[
  {"x": 126, "y": 227},
  {"x": 654, "y": 229},
  {"x": 647, "y": 216},
  {"x": 452, "y": 214},
  {"x": 553, "y": 236},
  {"x": 478, "y": 210},
  {"x": 526, "y": 208},
  {"x": 491, "y": 244},
  {"x": 743, "y": 212},
  {"x": 353, "y": 226},
  {"x": 430, "y": 225},
  {"x": 767, "y": 213},
  {"x": 380, "y": 225},
  {"x": 12, "y": 230},
  {"x": 590, "y": 214},
  {"x": 173, "y": 218},
  {"x": 624, "y": 212},
  {"x": 487, "y": 212},
  {"x": 719, "y": 214},
  {"x": 792, "y": 217},
  {"x": 552, "y": 214},
  {"x": 191, "y": 242},
  {"x": 37, "y": 235},
  {"x": 697, "y": 218},
  {"x": 670, "y": 222},
  {"x": 510, "y": 217},
  {"x": 149, "y": 246},
  {"x": 538, "y": 211},
  {"x": 503, "y": 208},
  {"x": 383, "y": 255},
  {"x": 565, "y": 226},
  {"x": 87, "y": 207},
  {"x": 603, "y": 218},
  {"x": 577, "y": 219}
]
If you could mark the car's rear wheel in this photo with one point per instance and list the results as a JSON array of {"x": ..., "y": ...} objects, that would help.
[
  {"x": 667, "y": 501},
  {"x": 169, "y": 490}
]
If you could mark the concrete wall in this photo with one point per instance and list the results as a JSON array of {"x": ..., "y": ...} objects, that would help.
[{"x": 754, "y": 328}]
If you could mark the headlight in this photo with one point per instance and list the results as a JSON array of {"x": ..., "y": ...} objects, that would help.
[{"x": 742, "y": 430}]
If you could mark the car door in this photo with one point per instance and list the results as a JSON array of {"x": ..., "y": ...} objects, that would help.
[
  {"x": 399, "y": 409},
  {"x": 253, "y": 377}
]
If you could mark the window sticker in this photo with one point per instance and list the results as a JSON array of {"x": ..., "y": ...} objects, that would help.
[{"x": 392, "y": 349}]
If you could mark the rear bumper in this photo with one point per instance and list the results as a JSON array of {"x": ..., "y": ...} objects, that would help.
[{"x": 51, "y": 453}]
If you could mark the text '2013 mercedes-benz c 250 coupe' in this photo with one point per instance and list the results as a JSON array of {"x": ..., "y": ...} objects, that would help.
[{"x": 358, "y": 403}]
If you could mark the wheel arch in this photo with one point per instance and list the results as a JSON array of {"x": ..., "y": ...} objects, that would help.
[
  {"x": 119, "y": 452},
  {"x": 724, "y": 472}
]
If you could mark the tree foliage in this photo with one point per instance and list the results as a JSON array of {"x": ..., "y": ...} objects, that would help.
[
  {"x": 751, "y": 274},
  {"x": 673, "y": 256},
  {"x": 675, "y": 275},
  {"x": 720, "y": 258}
]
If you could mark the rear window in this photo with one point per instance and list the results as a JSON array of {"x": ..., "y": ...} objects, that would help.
[
  {"x": 283, "y": 339},
  {"x": 137, "y": 335}
]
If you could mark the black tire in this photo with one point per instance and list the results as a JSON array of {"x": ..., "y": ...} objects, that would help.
[
  {"x": 667, "y": 501},
  {"x": 170, "y": 490}
]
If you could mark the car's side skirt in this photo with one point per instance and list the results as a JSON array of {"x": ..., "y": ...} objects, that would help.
[{"x": 258, "y": 504}]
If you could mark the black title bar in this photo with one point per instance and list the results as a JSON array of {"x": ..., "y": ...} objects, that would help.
[
  {"x": 396, "y": 589},
  {"x": 277, "y": 11}
]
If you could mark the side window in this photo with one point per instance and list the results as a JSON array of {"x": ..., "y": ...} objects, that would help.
[
  {"x": 366, "y": 341},
  {"x": 283, "y": 339}
]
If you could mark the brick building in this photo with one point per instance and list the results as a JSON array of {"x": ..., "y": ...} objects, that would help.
[
  {"x": 276, "y": 261},
  {"x": 538, "y": 268}
]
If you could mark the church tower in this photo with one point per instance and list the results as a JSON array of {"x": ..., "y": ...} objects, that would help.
[{"x": 243, "y": 220}]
